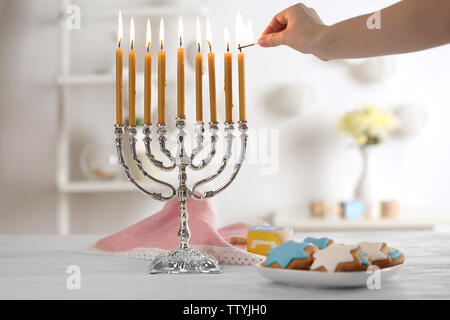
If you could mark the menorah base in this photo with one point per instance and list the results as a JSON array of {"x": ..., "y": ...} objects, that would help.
[{"x": 184, "y": 260}]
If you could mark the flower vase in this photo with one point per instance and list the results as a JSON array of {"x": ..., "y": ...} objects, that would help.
[{"x": 364, "y": 188}]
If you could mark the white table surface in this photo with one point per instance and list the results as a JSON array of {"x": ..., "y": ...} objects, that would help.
[{"x": 34, "y": 267}]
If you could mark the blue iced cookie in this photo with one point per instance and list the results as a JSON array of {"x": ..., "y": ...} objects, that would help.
[
  {"x": 364, "y": 258},
  {"x": 321, "y": 243},
  {"x": 291, "y": 255},
  {"x": 397, "y": 257}
]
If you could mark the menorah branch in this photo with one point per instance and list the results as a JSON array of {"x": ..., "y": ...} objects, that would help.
[
  {"x": 132, "y": 132},
  {"x": 199, "y": 131},
  {"x": 147, "y": 131},
  {"x": 120, "y": 131},
  {"x": 162, "y": 132},
  {"x": 229, "y": 138}
]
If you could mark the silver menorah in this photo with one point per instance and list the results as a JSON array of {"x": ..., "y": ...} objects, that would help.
[{"x": 183, "y": 259}]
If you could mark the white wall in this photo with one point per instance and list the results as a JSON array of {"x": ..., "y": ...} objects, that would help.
[
  {"x": 28, "y": 62},
  {"x": 315, "y": 161}
]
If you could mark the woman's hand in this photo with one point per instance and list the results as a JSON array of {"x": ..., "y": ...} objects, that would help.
[
  {"x": 298, "y": 27},
  {"x": 406, "y": 26}
]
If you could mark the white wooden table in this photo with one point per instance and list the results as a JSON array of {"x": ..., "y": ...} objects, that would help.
[{"x": 34, "y": 267}]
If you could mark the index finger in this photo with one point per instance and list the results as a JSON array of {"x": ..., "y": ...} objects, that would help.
[{"x": 278, "y": 23}]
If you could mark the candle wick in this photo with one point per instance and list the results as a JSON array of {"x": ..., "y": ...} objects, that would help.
[
  {"x": 181, "y": 42},
  {"x": 198, "y": 46},
  {"x": 210, "y": 47}
]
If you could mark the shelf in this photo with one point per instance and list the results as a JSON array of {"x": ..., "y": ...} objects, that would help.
[
  {"x": 104, "y": 187},
  {"x": 85, "y": 79},
  {"x": 320, "y": 225}
]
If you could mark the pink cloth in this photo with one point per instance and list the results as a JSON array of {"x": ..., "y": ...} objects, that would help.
[{"x": 160, "y": 230}]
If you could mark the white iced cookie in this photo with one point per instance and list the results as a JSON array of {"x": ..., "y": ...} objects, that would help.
[
  {"x": 377, "y": 252},
  {"x": 338, "y": 258}
]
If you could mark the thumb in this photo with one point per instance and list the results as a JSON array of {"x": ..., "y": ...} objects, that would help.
[{"x": 271, "y": 39}]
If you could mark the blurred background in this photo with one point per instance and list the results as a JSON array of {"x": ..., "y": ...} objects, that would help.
[{"x": 57, "y": 167}]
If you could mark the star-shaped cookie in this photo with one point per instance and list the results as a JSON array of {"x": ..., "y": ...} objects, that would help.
[{"x": 289, "y": 251}]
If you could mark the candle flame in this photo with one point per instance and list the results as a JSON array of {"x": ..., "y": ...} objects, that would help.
[
  {"x": 240, "y": 32},
  {"x": 227, "y": 38},
  {"x": 120, "y": 31},
  {"x": 132, "y": 34},
  {"x": 250, "y": 37},
  {"x": 199, "y": 34},
  {"x": 209, "y": 33},
  {"x": 149, "y": 35},
  {"x": 161, "y": 33},
  {"x": 180, "y": 30}
]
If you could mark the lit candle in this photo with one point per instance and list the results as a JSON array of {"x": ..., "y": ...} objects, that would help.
[
  {"x": 228, "y": 79},
  {"x": 132, "y": 77},
  {"x": 119, "y": 74},
  {"x": 240, "y": 35},
  {"x": 148, "y": 78},
  {"x": 180, "y": 73},
  {"x": 161, "y": 77},
  {"x": 242, "y": 106},
  {"x": 212, "y": 74},
  {"x": 199, "y": 76}
]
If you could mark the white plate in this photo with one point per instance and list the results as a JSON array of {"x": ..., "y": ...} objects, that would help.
[{"x": 302, "y": 278}]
